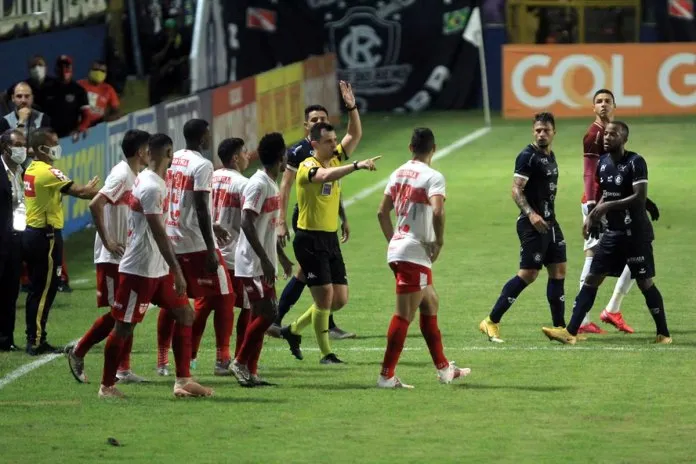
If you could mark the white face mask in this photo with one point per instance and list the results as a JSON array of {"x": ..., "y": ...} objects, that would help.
[
  {"x": 38, "y": 72},
  {"x": 19, "y": 155},
  {"x": 56, "y": 152}
]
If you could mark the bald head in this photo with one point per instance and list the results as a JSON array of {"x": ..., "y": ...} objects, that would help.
[{"x": 22, "y": 96}]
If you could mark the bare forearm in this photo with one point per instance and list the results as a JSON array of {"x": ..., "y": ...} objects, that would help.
[
  {"x": 624, "y": 203},
  {"x": 285, "y": 188},
  {"x": 521, "y": 201},
  {"x": 281, "y": 253},
  {"x": 250, "y": 232},
  {"x": 98, "y": 216},
  {"x": 385, "y": 223},
  {"x": 332, "y": 174},
  {"x": 206, "y": 225},
  {"x": 439, "y": 227},
  {"x": 81, "y": 191},
  {"x": 342, "y": 210}
]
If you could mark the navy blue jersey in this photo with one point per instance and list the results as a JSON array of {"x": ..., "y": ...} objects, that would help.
[
  {"x": 303, "y": 150},
  {"x": 616, "y": 181},
  {"x": 541, "y": 172}
]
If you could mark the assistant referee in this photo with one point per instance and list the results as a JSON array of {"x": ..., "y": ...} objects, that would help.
[
  {"x": 42, "y": 241},
  {"x": 316, "y": 241}
]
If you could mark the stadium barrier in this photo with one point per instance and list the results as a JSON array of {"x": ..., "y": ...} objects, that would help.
[
  {"x": 647, "y": 79},
  {"x": 271, "y": 101}
]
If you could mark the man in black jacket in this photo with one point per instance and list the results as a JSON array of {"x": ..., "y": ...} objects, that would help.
[{"x": 13, "y": 153}]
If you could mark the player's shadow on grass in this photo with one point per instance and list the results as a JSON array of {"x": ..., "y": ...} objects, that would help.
[
  {"x": 218, "y": 398},
  {"x": 401, "y": 363},
  {"x": 383, "y": 336},
  {"x": 528, "y": 388}
]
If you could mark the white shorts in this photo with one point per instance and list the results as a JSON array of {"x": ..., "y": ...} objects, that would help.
[{"x": 591, "y": 242}]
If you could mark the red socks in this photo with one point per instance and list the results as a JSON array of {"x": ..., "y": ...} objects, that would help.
[
  {"x": 242, "y": 322},
  {"x": 165, "y": 329},
  {"x": 99, "y": 331},
  {"x": 223, "y": 305},
  {"x": 203, "y": 308},
  {"x": 112, "y": 356},
  {"x": 250, "y": 350},
  {"x": 431, "y": 333},
  {"x": 181, "y": 345},
  {"x": 396, "y": 337}
]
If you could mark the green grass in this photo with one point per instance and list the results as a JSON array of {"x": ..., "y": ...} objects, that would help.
[{"x": 614, "y": 398}]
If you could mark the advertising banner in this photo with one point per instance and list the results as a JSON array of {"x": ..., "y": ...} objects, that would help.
[
  {"x": 321, "y": 84},
  {"x": 81, "y": 161},
  {"x": 234, "y": 114},
  {"x": 20, "y": 18},
  {"x": 647, "y": 79},
  {"x": 280, "y": 101}
]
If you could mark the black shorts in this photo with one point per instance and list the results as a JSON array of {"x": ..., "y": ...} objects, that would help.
[
  {"x": 295, "y": 216},
  {"x": 538, "y": 250},
  {"x": 617, "y": 250},
  {"x": 319, "y": 256}
]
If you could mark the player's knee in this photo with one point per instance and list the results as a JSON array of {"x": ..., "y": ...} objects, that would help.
[
  {"x": 593, "y": 281},
  {"x": 528, "y": 275},
  {"x": 557, "y": 271},
  {"x": 644, "y": 284},
  {"x": 299, "y": 275},
  {"x": 589, "y": 253},
  {"x": 123, "y": 329},
  {"x": 340, "y": 297}
]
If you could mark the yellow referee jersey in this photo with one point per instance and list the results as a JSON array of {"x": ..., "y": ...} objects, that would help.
[
  {"x": 318, "y": 203},
  {"x": 43, "y": 187}
]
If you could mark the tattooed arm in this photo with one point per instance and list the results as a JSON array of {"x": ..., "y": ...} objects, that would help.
[{"x": 518, "y": 184}]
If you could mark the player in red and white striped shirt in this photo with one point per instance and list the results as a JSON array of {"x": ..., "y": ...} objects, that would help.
[
  {"x": 228, "y": 183},
  {"x": 417, "y": 194},
  {"x": 190, "y": 228},
  {"x": 149, "y": 272},
  {"x": 257, "y": 255},
  {"x": 110, "y": 212}
]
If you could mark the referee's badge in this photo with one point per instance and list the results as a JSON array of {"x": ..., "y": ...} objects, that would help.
[{"x": 326, "y": 188}]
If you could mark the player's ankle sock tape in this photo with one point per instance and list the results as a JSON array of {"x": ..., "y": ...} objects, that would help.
[{"x": 511, "y": 290}]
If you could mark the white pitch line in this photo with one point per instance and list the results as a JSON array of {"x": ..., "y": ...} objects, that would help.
[
  {"x": 26, "y": 368},
  {"x": 467, "y": 139},
  {"x": 624, "y": 349}
]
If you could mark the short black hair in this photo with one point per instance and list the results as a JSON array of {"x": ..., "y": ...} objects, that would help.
[
  {"x": 159, "y": 141},
  {"x": 133, "y": 140},
  {"x": 545, "y": 118},
  {"x": 194, "y": 130},
  {"x": 601, "y": 91},
  {"x": 228, "y": 148},
  {"x": 271, "y": 148},
  {"x": 422, "y": 141},
  {"x": 311, "y": 108},
  {"x": 315, "y": 132},
  {"x": 40, "y": 137},
  {"x": 623, "y": 126}
]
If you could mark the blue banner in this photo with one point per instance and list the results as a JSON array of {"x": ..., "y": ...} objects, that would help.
[{"x": 81, "y": 161}]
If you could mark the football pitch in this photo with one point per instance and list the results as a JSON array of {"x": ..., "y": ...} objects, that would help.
[{"x": 613, "y": 398}]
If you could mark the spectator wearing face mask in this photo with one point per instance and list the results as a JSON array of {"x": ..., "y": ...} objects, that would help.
[
  {"x": 37, "y": 80},
  {"x": 67, "y": 103},
  {"x": 103, "y": 101},
  {"x": 23, "y": 117}
]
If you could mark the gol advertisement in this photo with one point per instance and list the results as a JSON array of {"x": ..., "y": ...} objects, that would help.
[{"x": 647, "y": 79}]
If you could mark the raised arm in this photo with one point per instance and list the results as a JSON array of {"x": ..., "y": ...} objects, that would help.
[{"x": 354, "y": 132}]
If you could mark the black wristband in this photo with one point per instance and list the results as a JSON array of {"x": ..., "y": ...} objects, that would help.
[
  {"x": 355, "y": 165},
  {"x": 352, "y": 108}
]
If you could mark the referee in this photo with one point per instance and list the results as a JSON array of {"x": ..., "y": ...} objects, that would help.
[
  {"x": 316, "y": 241},
  {"x": 42, "y": 241},
  {"x": 13, "y": 152}
]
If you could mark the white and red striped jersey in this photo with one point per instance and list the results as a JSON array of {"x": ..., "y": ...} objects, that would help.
[
  {"x": 228, "y": 185},
  {"x": 117, "y": 191},
  {"x": 189, "y": 173},
  {"x": 142, "y": 257},
  {"x": 410, "y": 187},
  {"x": 260, "y": 195}
]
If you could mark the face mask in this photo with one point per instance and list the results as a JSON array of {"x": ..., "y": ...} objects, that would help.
[
  {"x": 97, "y": 76},
  {"x": 55, "y": 152},
  {"x": 19, "y": 155},
  {"x": 38, "y": 72}
]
